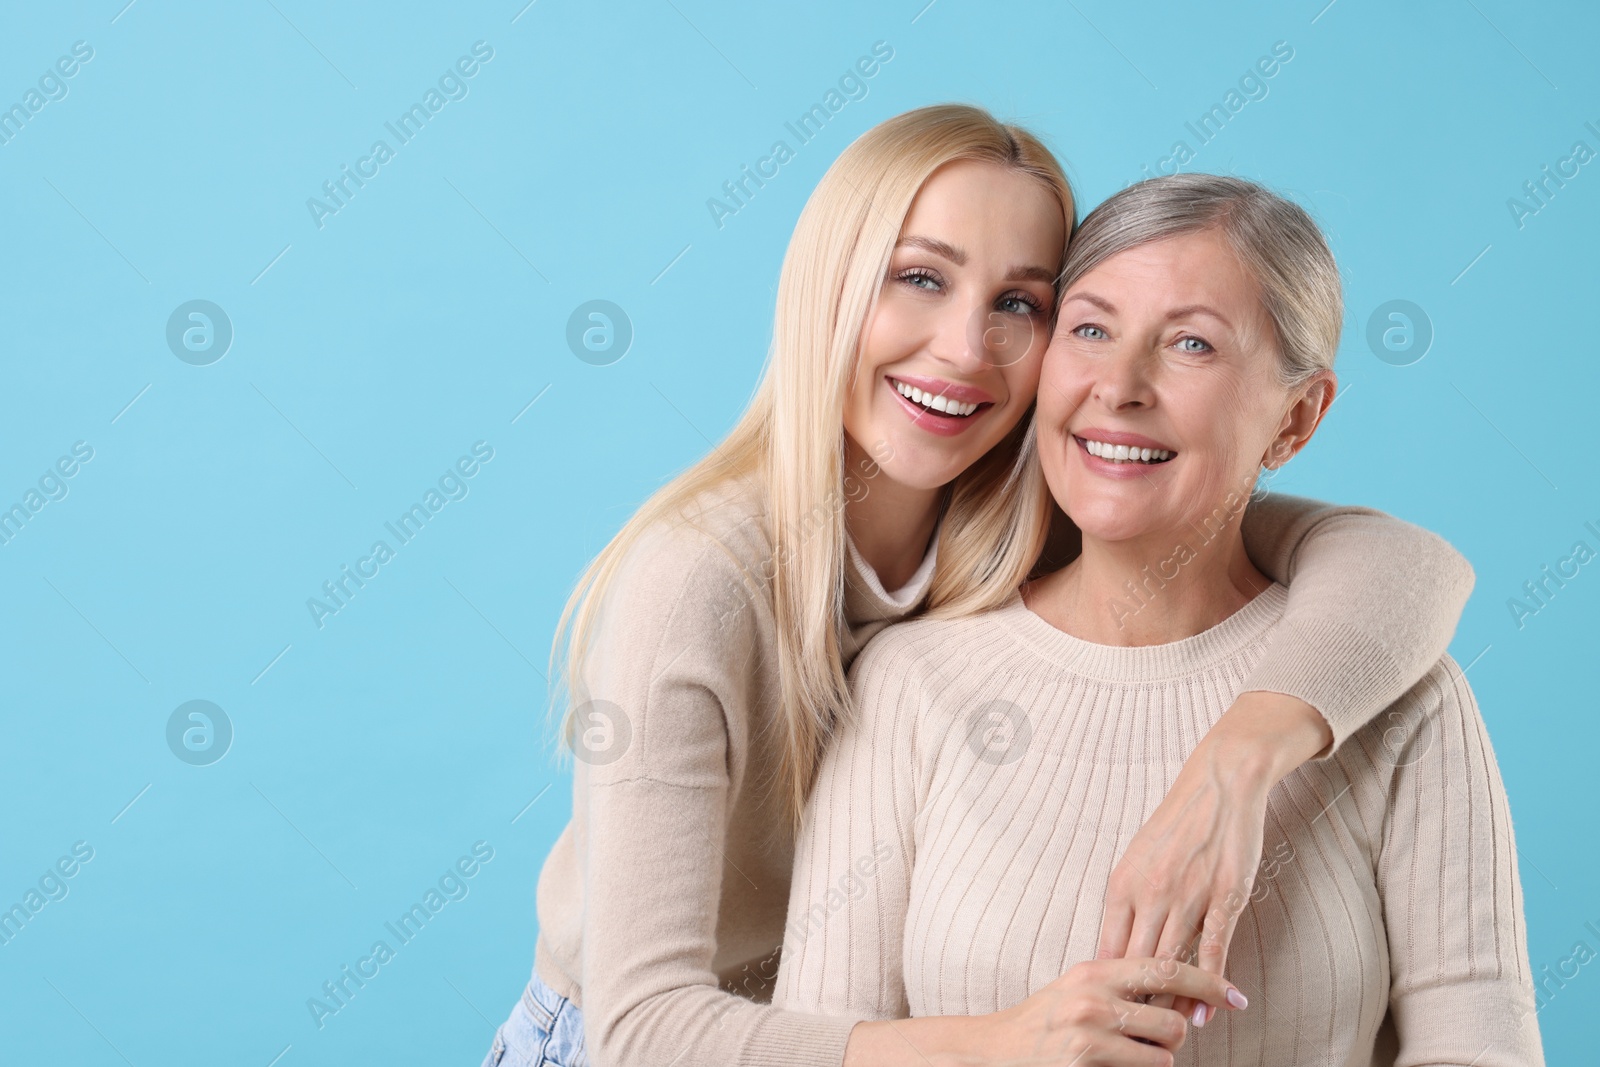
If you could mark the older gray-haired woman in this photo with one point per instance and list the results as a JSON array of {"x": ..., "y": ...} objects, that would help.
[{"x": 1193, "y": 349}]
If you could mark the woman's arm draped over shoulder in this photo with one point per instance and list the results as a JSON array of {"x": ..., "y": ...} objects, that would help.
[
  {"x": 844, "y": 941},
  {"x": 1373, "y": 603},
  {"x": 1460, "y": 989},
  {"x": 677, "y": 665}
]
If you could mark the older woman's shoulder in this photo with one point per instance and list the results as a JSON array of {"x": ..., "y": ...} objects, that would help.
[
  {"x": 921, "y": 642},
  {"x": 1435, "y": 719}
]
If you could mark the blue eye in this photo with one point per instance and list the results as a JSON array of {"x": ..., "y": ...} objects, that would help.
[
  {"x": 1019, "y": 304},
  {"x": 1089, "y": 332},
  {"x": 1184, "y": 342},
  {"x": 919, "y": 278}
]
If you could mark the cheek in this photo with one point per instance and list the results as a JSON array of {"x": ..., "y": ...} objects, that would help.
[
  {"x": 893, "y": 329},
  {"x": 876, "y": 338},
  {"x": 1024, "y": 376},
  {"x": 1061, "y": 387},
  {"x": 1231, "y": 424}
]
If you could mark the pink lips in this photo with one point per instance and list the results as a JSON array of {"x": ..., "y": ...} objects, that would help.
[
  {"x": 933, "y": 421},
  {"x": 1119, "y": 437},
  {"x": 967, "y": 394}
]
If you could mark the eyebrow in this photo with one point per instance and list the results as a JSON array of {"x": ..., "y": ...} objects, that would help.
[
  {"x": 1176, "y": 313},
  {"x": 959, "y": 258},
  {"x": 936, "y": 246}
]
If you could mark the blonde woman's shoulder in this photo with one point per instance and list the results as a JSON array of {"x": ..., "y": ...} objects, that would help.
[{"x": 713, "y": 548}]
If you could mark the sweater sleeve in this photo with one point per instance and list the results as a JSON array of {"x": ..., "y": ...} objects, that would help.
[
  {"x": 1373, "y": 603},
  {"x": 670, "y": 671},
  {"x": 845, "y": 936},
  {"x": 1461, "y": 990}
]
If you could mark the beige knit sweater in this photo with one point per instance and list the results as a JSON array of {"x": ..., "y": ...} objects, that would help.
[
  {"x": 963, "y": 828},
  {"x": 661, "y": 905}
]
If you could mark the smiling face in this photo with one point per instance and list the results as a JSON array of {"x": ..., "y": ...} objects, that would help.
[
  {"x": 1160, "y": 393},
  {"x": 949, "y": 360}
]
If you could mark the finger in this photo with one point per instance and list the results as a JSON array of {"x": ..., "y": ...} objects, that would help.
[
  {"x": 1137, "y": 978},
  {"x": 1184, "y": 1006},
  {"x": 1177, "y": 943},
  {"x": 1215, "y": 937},
  {"x": 1162, "y": 1025},
  {"x": 1178, "y": 937},
  {"x": 1115, "y": 928},
  {"x": 1146, "y": 933},
  {"x": 1112, "y": 1050}
]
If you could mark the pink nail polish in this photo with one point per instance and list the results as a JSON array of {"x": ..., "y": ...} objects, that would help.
[
  {"x": 1199, "y": 1015},
  {"x": 1237, "y": 999}
]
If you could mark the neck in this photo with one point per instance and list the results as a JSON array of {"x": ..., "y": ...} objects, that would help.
[
  {"x": 1150, "y": 590},
  {"x": 890, "y": 524}
]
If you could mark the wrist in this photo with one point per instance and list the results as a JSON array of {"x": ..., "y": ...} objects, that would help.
[
  {"x": 918, "y": 1042},
  {"x": 1264, "y": 736}
]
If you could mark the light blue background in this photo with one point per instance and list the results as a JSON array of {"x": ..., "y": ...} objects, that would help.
[{"x": 425, "y": 316}]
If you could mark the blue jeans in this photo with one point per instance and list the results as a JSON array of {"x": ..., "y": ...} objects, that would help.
[{"x": 545, "y": 1030}]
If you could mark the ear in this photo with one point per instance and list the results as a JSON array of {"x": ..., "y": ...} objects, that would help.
[{"x": 1311, "y": 401}]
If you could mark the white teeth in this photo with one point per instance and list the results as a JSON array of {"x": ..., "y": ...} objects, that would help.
[
  {"x": 937, "y": 403},
  {"x": 1126, "y": 453}
]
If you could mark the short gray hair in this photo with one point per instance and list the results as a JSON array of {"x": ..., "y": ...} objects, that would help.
[{"x": 1276, "y": 240}]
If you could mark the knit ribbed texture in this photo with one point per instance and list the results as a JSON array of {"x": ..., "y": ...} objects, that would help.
[
  {"x": 1358, "y": 621},
  {"x": 661, "y": 905},
  {"x": 997, "y": 768}
]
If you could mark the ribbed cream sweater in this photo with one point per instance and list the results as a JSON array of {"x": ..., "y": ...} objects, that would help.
[
  {"x": 661, "y": 905},
  {"x": 963, "y": 828}
]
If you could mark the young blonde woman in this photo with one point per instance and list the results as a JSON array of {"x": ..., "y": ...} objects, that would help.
[
  {"x": 886, "y": 467},
  {"x": 1199, "y": 319}
]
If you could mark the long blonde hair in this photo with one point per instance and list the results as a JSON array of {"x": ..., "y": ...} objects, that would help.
[{"x": 791, "y": 440}]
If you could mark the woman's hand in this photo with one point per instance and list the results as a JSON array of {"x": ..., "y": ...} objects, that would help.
[
  {"x": 1179, "y": 889},
  {"x": 1095, "y": 1015}
]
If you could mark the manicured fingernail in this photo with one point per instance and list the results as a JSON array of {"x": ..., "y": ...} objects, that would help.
[
  {"x": 1199, "y": 1015},
  {"x": 1237, "y": 999}
]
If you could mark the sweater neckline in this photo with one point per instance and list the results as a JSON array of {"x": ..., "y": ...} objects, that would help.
[
  {"x": 865, "y": 580},
  {"x": 1146, "y": 663}
]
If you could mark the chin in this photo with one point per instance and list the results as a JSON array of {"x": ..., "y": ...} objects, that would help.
[
  {"x": 1111, "y": 520},
  {"x": 921, "y": 465},
  {"x": 909, "y": 472},
  {"x": 1111, "y": 532}
]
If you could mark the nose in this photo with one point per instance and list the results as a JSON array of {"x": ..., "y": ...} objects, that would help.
[
  {"x": 959, "y": 337},
  {"x": 1123, "y": 380}
]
